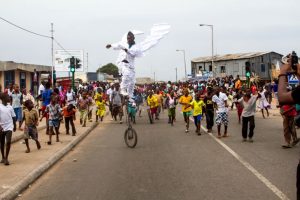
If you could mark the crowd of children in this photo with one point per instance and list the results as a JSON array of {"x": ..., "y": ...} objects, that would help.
[
  {"x": 199, "y": 100},
  {"x": 56, "y": 106}
]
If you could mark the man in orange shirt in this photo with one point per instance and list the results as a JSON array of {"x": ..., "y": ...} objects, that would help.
[{"x": 238, "y": 83}]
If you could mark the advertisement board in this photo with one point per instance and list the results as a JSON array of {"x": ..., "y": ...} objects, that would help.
[{"x": 62, "y": 60}]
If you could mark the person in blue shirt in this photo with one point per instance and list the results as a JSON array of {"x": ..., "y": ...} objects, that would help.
[{"x": 46, "y": 98}]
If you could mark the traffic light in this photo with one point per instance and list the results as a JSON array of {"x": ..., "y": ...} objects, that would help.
[
  {"x": 248, "y": 73},
  {"x": 77, "y": 64},
  {"x": 72, "y": 64},
  {"x": 54, "y": 77}
]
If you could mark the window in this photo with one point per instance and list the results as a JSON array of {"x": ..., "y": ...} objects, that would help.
[
  {"x": 9, "y": 78},
  {"x": 210, "y": 68},
  {"x": 262, "y": 67},
  {"x": 22, "y": 80},
  {"x": 223, "y": 69}
]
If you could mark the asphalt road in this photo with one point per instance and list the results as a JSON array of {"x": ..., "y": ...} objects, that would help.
[{"x": 170, "y": 164}]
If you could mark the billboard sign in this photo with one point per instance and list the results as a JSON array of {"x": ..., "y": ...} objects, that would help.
[{"x": 62, "y": 60}]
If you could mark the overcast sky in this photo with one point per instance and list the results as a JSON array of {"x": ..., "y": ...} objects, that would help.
[{"x": 239, "y": 26}]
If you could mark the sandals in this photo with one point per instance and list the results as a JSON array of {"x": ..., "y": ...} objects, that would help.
[{"x": 286, "y": 146}]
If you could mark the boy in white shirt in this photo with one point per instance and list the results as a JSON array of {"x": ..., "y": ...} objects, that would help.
[
  {"x": 8, "y": 125},
  {"x": 220, "y": 101}
]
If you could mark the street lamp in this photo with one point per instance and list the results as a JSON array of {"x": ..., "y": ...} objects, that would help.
[
  {"x": 182, "y": 50},
  {"x": 212, "y": 45},
  {"x": 176, "y": 73}
]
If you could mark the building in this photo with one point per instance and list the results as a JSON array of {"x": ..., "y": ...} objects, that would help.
[
  {"x": 21, "y": 74},
  {"x": 259, "y": 63},
  {"x": 144, "y": 80},
  {"x": 105, "y": 77}
]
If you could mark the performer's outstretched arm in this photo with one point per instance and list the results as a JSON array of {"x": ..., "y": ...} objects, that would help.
[{"x": 115, "y": 46}]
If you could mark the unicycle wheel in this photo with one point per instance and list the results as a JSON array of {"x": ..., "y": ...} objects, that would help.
[{"x": 130, "y": 137}]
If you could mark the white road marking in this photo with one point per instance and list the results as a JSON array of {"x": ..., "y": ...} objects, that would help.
[{"x": 263, "y": 179}]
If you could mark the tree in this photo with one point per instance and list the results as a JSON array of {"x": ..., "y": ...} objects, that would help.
[{"x": 110, "y": 69}]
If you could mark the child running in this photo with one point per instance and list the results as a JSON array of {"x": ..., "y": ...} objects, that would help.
[
  {"x": 69, "y": 115},
  {"x": 185, "y": 101},
  {"x": 100, "y": 103},
  {"x": 54, "y": 111},
  {"x": 30, "y": 116},
  {"x": 83, "y": 105},
  {"x": 171, "y": 105},
  {"x": 152, "y": 103},
  {"x": 263, "y": 104},
  {"x": 197, "y": 106}
]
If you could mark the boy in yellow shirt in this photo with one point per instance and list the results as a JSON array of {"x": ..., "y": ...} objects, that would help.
[
  {"x": 185, "y": 101},
  {"x": 152, "y": 102},
  {"x": 197, "y": 106}
]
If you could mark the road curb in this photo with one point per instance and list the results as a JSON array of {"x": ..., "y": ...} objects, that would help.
[
  {"x": 16, "y": 189},
  {"x": 21, "y": 136}
]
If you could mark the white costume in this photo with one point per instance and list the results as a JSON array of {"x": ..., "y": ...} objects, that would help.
[
  {"x": 263, "y": 103},
  {"x": 125, "y": 61}
]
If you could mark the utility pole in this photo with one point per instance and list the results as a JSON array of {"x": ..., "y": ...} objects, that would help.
[
  {"x": 176, "y": 73},
  {"x": 52, "y": 54},
  {"x": 185, "y": 74},
  {"x": 154, "y": 76},
  {"x": 87, "y": 62},
  {"x": 213, "y": 68}
]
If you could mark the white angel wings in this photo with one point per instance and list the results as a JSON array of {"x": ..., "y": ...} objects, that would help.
[{"x": 157, "y": 32}]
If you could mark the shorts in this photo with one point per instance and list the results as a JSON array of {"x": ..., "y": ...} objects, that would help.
[
  {"x": 100, "y": 113},
  {"x": 197, "y": 119},
  {"x": 54, "y": 123},
  {"x": 18, "y": 112},
  {"x": 44, "y": 113},
  {"x": 30, "y": 132},
  {"x": 153, "y": 110},
  {"x": 187, "y": 114},
  {"x": 83, "y": 114},
  {"x": 117, "y": 110},
  {"x": 132, "y": 111},
  {"x": 171, "y": 112},
  {"x": 222, "y": 118},
  {"x": 7, "y": 135}
]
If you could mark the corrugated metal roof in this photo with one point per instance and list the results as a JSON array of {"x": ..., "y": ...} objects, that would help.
[
  {"x": 10, "y": 65},
  {"x": 236, "y": 56}
]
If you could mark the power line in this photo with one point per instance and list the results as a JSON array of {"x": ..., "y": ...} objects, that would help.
[
  {"x": 24, "y": 29},
  {"x": 41, "y": 35},
  {"x": 61, "y": 46}
]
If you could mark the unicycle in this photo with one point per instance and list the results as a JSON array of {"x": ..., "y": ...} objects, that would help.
[{"x": 130, "y": 135}]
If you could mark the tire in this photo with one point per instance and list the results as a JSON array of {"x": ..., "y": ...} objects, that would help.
[{"x": 130, "y": 137}]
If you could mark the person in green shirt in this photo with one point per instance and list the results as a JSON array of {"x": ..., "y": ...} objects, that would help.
[{"x": 197, "y": 106}]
